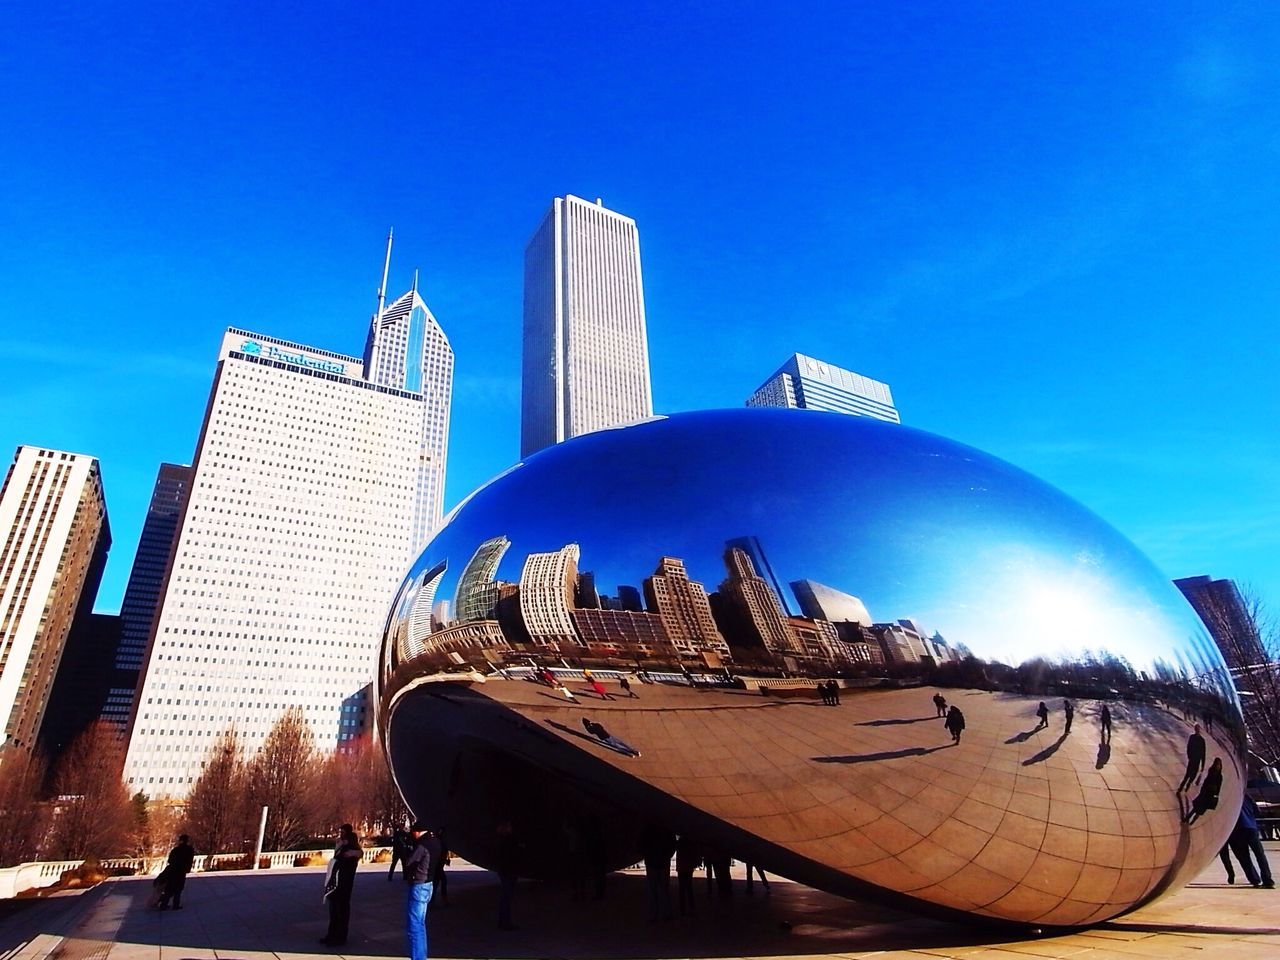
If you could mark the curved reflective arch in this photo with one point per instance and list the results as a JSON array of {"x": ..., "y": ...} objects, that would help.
[{"x": 856, "y": 654}]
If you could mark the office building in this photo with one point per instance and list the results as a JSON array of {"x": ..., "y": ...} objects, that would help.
[
  {"x": 586, "y": 354},
  {"x": 82, "y": 688},
  {"x": 750, "y": 611},
  {"x": 476, "y": 596},
  {"x": 684, "y": 608},
  {"x": 54, "y": 537},
  {"x": 821, "y": 602},
  {"x": 548, "y": 582},
  {"x": 406, "y": 349},
  {"x": 803, "y": 383},
  {"x": 145, "y": 589},
  {"x": 299, "y": 526}
]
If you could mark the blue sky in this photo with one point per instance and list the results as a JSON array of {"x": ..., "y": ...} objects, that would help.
[{"x": 1055, "y": 231}]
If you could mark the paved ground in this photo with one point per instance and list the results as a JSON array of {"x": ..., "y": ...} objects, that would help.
[{"x": 263, "y": 916}]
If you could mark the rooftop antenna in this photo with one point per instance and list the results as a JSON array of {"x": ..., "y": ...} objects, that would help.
[
  {"x": 382, "y": 290},
  {"x": 415, "y": 280}
]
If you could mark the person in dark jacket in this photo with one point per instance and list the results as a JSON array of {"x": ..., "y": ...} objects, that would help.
[
  {"x": 338, "y": 884},
  {"x": 181, "y": 859},
  {"x": 1195, "y": 759},
  {"x": 1207, "y": 798},
  {"x": 1246, "y": 843},
  {"x": 954, "y": 723},
  {"x": 401, "y": 843},
  {"x": 419, "y": 866}
]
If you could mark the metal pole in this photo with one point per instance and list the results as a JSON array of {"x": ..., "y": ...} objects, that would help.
[{"x": 262, "y": 832}]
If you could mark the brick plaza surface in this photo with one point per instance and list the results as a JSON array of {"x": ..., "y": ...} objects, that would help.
[{"x": 265, "y": 915}]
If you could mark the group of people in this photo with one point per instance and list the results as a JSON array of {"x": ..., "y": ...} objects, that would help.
[
  {"x": 659, "y": 844},
  {"x": 830, "y": 692}
]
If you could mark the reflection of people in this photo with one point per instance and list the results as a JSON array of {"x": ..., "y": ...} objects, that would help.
[
  {"x": 338, "y": 884},
  {"x": 400, "y": 844},
  {"x": 940, "y": 704},
  {"x": 1207, "y": 798},
  {"x": 1106, "y": 724},
  {"x": 1246, "y": 843},
  {"x": 598, "y": 731},
  {"x": 834, "y": 689},
  {"x": 1069, "y": 709},
  {"x": 181, "y": 859},
  {"x": 955, "y": 723},
  {"x": 688, "y": 856},
  {"x": 1195, "y": 759},
  {"x": 625, "y": 684},
  {"x": 1043, "y": 713}
]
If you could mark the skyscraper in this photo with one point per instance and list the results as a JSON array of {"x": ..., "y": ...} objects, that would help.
[
  {"x": 407, "y": 350},
  {"x": 54, "y": 538},
  {"x": 751, "y": 609},
  {"x": 476, "y": 596},
  {"x": 299, "y": 526},
  {"x": 807, "y": 384},
  {"x": 821, "y": 602},
  {"x": 145, "y": 589},
  {"x": 685, "y": 610},
  {"x": 586, "y": 354},
  {"x": 547, "y": 583}
]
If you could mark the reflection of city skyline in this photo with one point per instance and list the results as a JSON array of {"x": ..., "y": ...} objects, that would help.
[{"x": 557, "y": 606}]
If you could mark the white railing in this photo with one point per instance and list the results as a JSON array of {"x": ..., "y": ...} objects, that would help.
[{"x": 45, "y": 873}]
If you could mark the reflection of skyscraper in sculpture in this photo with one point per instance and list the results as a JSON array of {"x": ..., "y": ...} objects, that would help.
[
  {"x": 821, "y": 602},
  {"x": 407, "y": 350},
  {"x": 586, "y": 356},
  {"x": 753, "y": 608},
  {"x": 752, "y": 547},
  {"x": 682, "y": 603},
  {"x": 807, "y": 384},
  {"x": 896, "y": 642},
  {"x": 477, "y": 593},
  {"x": 420, "y": 617},
  {"x": 547, "y": 585}
]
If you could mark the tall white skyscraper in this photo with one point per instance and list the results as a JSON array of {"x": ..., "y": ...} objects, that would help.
[
  {"x": 808, "y": 384},
  {"x": 586, "y": 354},
  {"x": 298, "y": 529},
  {"x": 406, "y": 349},
  {"x": 54, "y": 538}
]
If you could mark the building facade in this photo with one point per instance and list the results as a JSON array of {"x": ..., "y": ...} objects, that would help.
[
  {"x": 476, "y": 597},
  {"x": 298, "y": 528},
  {"x": 804, "y": 383},
  {"x": 55, "y": 536},
  {"x": 821, "y": 602},
  {"x": 145, "y": 589},
  {"x": 407, "y": 349},
  {"x": 547, "y": 585},
  {"x": 586, "y": 353},
  {"x": 684, "y": 608}
]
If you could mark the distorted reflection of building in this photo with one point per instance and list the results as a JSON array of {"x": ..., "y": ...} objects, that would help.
[
  {"x": 821, "y": 602},
  {"x": 477, "y": 593},
  {"x": 622, "y": 633},
  {"x": 750, "y": 611},
  {"x": 683, "y": 606},
  {"x": 547, "y": 585},
  {"x": 753, "y": 548}
]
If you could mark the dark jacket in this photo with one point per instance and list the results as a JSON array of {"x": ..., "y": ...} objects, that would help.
[
  {"x": 182, "y": 857},
  {"x": 420, "y": 864}
]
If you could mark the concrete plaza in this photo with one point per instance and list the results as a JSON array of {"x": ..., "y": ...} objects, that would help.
[{"x": 266, "y": 915}]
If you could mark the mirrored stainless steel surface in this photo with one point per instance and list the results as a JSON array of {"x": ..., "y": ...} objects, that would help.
[{"x": 855, "y": 654}]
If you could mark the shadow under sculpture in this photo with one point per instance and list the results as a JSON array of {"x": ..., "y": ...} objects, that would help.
[{"x": 726, "y": 565}]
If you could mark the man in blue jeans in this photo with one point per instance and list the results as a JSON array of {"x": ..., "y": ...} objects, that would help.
[
  {"x": 1246, "y": 839},
  {"x": 418, "y": 868}
]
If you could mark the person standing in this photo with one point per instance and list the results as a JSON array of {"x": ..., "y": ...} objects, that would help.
[
  {"x": 1069, "y": 709},
  {"x": 419, "y": 866},
  {"x": 1106, "y": 724},
  {"x": 1207, "y": 798},
  {"x": 400, "y": 844},
  {"x": 181, "y": 859},
  {"x": 338, "y": 884},
  {"x": 1195, "y": 759},
  {"x": 1245, "y": 840},
  {"x": 1043, "y": 713},
  {"x": 940, "y": 704},
  {"x": 955, "y": 723}
]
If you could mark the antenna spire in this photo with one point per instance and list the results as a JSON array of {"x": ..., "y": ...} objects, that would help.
[
  {"x": 386, "y": 267},
  {"x": 415, "y": 280}
]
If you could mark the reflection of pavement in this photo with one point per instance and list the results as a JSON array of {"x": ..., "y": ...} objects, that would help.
[
  {"x": 247, "y": 916},
  {"x": 1015, "y": 821}
]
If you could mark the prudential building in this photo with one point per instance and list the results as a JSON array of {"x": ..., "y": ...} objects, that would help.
[{"x": 315, "y": 481}]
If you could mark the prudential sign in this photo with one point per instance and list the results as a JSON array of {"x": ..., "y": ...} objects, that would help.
[{"x": 252, "y": 348}]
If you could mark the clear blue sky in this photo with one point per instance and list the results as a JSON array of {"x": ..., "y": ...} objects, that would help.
[{"x": 1054, "y": 230}]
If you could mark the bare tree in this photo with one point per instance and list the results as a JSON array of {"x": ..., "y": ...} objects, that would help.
[
  {"x": 1247, "y": 634},
  {"x": 358, "y": 788},
  {"x": 25, "y": 816},
  {"x": 283, "y": 776},
  {"x": 92, "y": 813},
  {"x": 216, "y": 814}
]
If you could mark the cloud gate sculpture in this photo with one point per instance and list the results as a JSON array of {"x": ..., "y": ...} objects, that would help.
[{"x": 855, "y": 654}]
